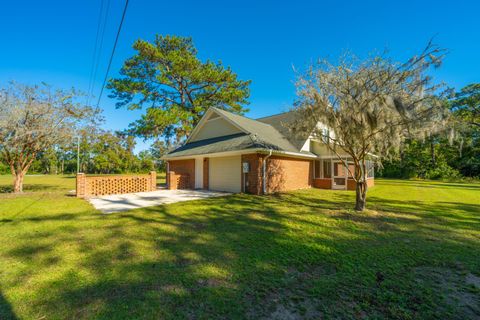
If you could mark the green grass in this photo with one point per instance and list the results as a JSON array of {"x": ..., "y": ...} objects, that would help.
[{"x": 414, "y": 254}]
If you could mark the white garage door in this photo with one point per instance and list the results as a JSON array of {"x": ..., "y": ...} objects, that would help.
[{"x": 225, "y": 174}]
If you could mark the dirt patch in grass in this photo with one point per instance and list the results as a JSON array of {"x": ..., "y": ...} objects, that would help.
[
  {"x": 460, "y": 290},
  {"x": 293, "y": 299}
]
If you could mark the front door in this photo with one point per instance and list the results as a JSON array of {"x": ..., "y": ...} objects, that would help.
[{"x": 339, "y": 175}]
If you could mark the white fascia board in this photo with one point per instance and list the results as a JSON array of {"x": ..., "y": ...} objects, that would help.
[
  {"x": 288, "y": 153},
  {"x": 240, "y": 152},
  {"x": 212, "y": 155}
]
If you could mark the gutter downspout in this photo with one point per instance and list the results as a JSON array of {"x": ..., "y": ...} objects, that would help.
[{"x": 264, "y": 173}]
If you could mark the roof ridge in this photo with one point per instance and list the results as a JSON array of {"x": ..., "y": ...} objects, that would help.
[
  {"x": 245, "y": 117},
  {"x": 274, "y": 115}
]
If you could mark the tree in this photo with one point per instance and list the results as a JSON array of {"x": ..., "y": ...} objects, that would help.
[
  {"x": 147, "y": 161},
  {"x": 34, "y": 119},
  {"x": 176, "y": 88},
  {"x": 466, "y": 104},
  {"x": 158, "y": 149},
  {"x": 371, "y": 106}
]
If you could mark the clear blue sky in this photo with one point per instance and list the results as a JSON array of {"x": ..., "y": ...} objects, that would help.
[{"x": 53, "y": 41}]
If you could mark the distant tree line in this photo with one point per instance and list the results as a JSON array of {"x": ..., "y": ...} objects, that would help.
[
  {"x": 101, "y": 152},
  {"x": 452, "y": 153}
]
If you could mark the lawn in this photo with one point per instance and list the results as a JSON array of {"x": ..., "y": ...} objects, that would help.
[{"x": 306, "y": 254}]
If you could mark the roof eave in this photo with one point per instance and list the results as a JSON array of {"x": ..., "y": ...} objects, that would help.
[{"x": 243, "y": 151}]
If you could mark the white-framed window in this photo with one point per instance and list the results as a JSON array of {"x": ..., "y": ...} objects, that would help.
[
  {"x": 370, "y": 169},
  {"x": 327, "y": 168},
  {"x": 325, "y": 135}
]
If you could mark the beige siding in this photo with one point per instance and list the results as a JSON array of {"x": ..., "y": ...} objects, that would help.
[
  {"x": 215, "y": 128},
  {"x": 319, "y": 148},
  {"x": 225, "y": 174}
]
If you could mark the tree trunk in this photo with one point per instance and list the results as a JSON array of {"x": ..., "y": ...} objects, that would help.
[
  {"x": 19, "y": 170},
  {"x": 18, "y": 182},
  {"x": 361, "y": 195},
  {"x": 361, "y": 185}
]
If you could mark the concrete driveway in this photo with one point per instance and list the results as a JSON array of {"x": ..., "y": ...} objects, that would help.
[{"x": 123, "y": 202}]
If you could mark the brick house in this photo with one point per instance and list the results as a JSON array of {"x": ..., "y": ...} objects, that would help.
[{"x": 229, "y": 152}]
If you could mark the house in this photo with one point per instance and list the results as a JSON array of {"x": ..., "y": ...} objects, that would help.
[{"x": 229, "y": 152}]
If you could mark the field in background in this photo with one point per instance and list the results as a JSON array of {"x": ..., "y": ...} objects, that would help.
[
  {"x": 306, "y": 254},
  {"x": 51, "y": 183}
]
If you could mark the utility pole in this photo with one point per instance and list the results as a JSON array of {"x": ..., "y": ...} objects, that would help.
[{"x": 78, "y": 154}]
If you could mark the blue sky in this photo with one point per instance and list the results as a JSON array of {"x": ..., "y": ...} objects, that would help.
[{"x": 53, "y": 41}]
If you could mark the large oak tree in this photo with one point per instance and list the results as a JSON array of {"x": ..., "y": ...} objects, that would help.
[
  {"x": 175, "y": 87},
  {"x": 371, "y": 106},
  {"x": 34, "y": 119}
]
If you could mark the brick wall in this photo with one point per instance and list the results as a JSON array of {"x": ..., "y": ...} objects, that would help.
[
  {"x": 206, "y": 164},
  {"x": 285, "y": 174},
  {"x": 181, "y": 174},
  {"x": 88, "y": 186},
  {"x": 322, "y": 183},
  {"x": 253, "y": 178}
]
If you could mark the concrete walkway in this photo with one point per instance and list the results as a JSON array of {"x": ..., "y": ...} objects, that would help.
[{"x": 122, "y": 202}]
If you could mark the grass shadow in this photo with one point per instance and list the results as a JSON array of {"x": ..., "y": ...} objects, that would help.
[
  {"x": 6, "y": 311},
  {"x": 302, "y": 255}
]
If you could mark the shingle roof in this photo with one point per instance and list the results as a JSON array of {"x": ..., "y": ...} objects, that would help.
[
  {"x": 265, "y": 133},
  {"x": 232, "y": 142},
  {"x": 282, "y": 122}
]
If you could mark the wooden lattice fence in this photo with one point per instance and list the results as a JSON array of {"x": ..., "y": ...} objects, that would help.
[{"x": 88, "y": 186}]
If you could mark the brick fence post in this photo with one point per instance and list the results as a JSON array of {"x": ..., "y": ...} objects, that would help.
[
  {"x": 81, "y": 187},
  {"x": 153, "y": 180}
]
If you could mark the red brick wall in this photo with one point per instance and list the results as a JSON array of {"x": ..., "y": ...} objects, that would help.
[
  {"x": 206, "y": 164},
  {"x": 254, "y": 176},
  {"x": 181, "y": 174},
  {"x": 322, "y": 183},
  {"x": 285, "y": 174}
]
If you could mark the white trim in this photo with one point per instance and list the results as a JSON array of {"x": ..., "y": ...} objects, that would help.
[
  {"x": 244, "y": 151},
  {"x": 198, "y": 172},
  {"x": 334, "y": 157},
  {"x": 212, "y": 155},
  {"x": 345, "y": 175},
  {"x": 289, "y": 153}
]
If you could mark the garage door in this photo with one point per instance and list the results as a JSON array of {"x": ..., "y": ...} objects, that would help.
[{"x": 225, "y": 174}]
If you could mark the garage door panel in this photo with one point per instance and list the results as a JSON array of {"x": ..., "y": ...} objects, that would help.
[{"x": 225, "y": 174}]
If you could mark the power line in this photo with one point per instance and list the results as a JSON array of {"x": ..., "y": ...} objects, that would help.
[
  {"x": 99, "y": 55},
  {"x": 113, "y": 52},
  {"x": 94, "y": 57}
]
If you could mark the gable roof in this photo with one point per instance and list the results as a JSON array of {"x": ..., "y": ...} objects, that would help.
[
  {"x": 282, "y": 122},
  {"x": 266, "y": 133}
]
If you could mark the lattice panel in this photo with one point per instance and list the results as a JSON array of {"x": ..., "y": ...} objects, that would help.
[
  {"x": 183, "y": 181},
  {"x": 99, "y": 186}
]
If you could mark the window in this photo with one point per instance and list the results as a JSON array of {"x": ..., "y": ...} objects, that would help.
[
  {"x": 370, "y": 169},
  {"x": 325, "y": 135},
  {"x": 327, "y": 168},
  {"x": 317, "y": 170}
]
